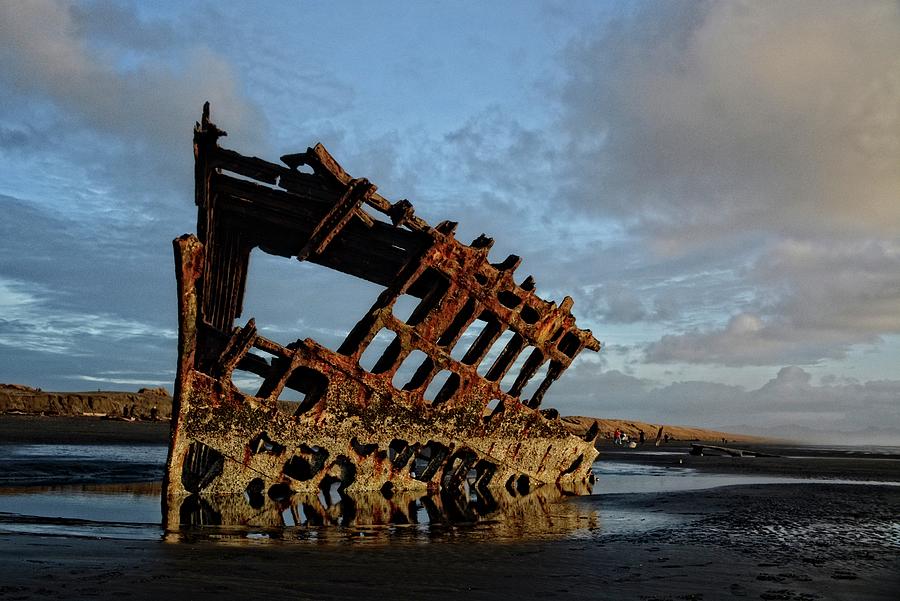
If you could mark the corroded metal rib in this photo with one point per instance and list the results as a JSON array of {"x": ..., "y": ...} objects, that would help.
[{"x": 353, "y": 426}]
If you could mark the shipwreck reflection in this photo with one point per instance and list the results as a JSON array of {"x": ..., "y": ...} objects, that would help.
[{"x": 373, "y": 515}]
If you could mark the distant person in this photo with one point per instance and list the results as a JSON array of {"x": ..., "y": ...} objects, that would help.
[
  {"x": 666, "y": 437},
  {"x": 617, "y": 436},
  {"x": 641, "y": 437}
]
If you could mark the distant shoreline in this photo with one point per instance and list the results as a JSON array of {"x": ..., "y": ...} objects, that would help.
[
  {"x": 70, "y": 429},
  {"x": 146, "y": 403},
  {"x": 98, "y": 428},
  {"x": 579, "y": 425}
]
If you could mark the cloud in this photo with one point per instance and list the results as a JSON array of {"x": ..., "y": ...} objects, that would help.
[
  {"x": 30, "y": 322},
  {"x": 100, "y": 266},
  {"x": 715, "y": 118},
  {"x": 141, "y": 381},
  {"x": 134, "y": 86},
  {"x": 46, "y": 51},
  {"x": 96, "y": 145},
  {"x": 767, "y": 133},
  {"x": 790, "y": 399},
  {"x": 825, "y": 297}
]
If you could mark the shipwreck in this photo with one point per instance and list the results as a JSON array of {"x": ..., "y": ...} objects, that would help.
[{"x": 349, "y": 428}]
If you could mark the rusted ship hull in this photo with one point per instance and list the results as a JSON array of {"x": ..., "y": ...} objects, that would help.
[{"x": 353, "y": 428}]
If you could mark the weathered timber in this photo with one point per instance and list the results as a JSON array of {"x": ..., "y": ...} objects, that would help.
[{"x": 354, "y": 428}]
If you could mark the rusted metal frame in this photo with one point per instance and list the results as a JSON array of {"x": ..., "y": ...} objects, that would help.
[
  {"x": 282, "y": 214},
  {"x": 439, "y": 327},
  {"x": 529, "y": 368},
  {"x": 405, "y": 334},
  {"x": 428, "y": 334},
  {"x": 361, "y": 335},
  {"x": 391, "y": 358},
  {"x": 480, "y": 348},
  {"x": 523, "y": 326},
  {"x": 225, "y": 278},
  {"x": 333, "y": 222},
  {"x": 512, "y": 320},
  {"x": 486, "y": 338},
  {"x": 252, "y": 167},
  {"x": 189, "y": 262},
  {"x": 536, "y": 298},
  {"x": 410, "y": 337},
  {"x": 394, "y": 355},
  {"x": 299, "y": 208},
  {"x": 463, "y": 278},
  {"x": 465, "y": 311},
  {"x": 206, "y": 138},
  {"x": 238, "y": 345},
  {"x": 506, "y": 358},
  {"x": 431, "y": 324},
  {"x": 547, "y": 311},
  {"x": 189, "y": 258},
  {"x": 326, "y": 352},
  {"x": 282, "y": 203},
  {"x": 424, "y": 318},
  {"x": 280, "y": 373},
  {"x": 271, "y": 347},
  {"x": 553, "y": 372},
  {"x": 309, "y": 186},
  {"x": 425, "y": 314},
  {"x": 486, "y": 294},
  {"x": 323, "y": 163},
  {"x": 423, "y": 375},
  {"x": 255, "y": 364},
  {"x": 312, "y": 352}
]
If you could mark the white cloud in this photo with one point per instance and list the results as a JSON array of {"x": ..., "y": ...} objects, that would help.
[
  {"x": 823, "y": 297},
  {"x": 709, "y": 119},
  {"x": 789, "y": 400},
  {"x": 45, "y": 51},
  {"x": 776, "y": 125},
  {"x": 137, "y": 99},
  {"x": 120, "y": 380},
  {"x": 31, "y": 321}
]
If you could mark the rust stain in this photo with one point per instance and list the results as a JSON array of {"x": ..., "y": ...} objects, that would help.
[{"x": 354, "y": 429}]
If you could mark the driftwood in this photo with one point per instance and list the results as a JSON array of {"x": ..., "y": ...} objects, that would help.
[{"x": 698, "y": 450}]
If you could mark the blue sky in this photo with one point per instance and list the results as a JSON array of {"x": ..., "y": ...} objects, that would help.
[{"x": 715, "y": 184}]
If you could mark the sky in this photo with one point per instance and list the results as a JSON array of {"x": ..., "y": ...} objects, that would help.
[{"x": 716, "y": 184}]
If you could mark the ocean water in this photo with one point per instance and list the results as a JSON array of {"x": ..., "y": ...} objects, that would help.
[
  {"x": 629, "y": 478},
  {"x": 129, "y": 454},
  {"x": 89, "y": 491}
]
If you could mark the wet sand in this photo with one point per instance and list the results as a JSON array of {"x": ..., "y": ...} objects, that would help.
[
  {"x": 32, "y": 429},
  {"x": 764, "y": 541},
  {"x": 799, "y": 461}
]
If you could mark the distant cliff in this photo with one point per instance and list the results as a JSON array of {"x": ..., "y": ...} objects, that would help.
[
  {"x": 147, "y": 403},
  {"x": 579, "y": 425}
]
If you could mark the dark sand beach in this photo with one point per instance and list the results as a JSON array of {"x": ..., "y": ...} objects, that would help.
[{"x": 816, "y": 523}]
